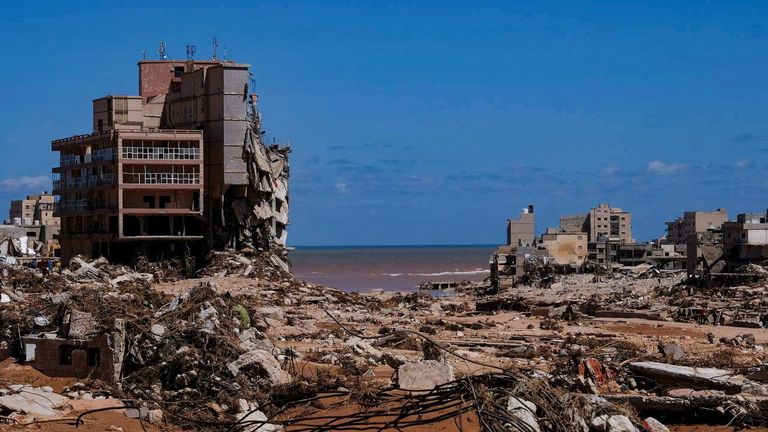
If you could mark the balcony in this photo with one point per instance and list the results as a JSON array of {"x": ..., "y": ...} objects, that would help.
[
  {"x": 80, "y": 205},
  {"x": 161, "y": 153},
  {"x": 161, "y": 178},
  {"x": 100, "y": 155},
  {"x": 85, "y": 181}
]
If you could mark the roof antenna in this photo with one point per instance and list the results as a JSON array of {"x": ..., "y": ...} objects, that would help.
[
  {"x": 214, "y": 56},
  {"x": 161, "y": 51},
  {"x": 190, "y": 52}
]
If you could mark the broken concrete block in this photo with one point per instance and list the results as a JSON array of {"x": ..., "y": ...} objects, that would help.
[
  {"x": 363, "y": 348},
  {"x": 707, "y": 378},
  {"x": 256, "y": 421},
  {"x": 33, "y": 401},
  {"x": 525, "y": 411},
  {"x": 81, "y": 324},
  {"x": 274, "y": 313},
  {"x": 265, "y": 361},
  {"x": 671, "y": 351},
  {"x": 650, "y": 424},
  {"x": 424, "y": 375},
  {"x": 614, "y": 423}
]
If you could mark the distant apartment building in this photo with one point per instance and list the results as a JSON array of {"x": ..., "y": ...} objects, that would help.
[
  {"x": 33, "y": 210},
  {"x": 180, "y": 165},
  {"x": 695, "y": 222},
  {"x": 601, "y": 223},
  {"x": 522, "y": 231},
  {"x": 36, "y": 211}
]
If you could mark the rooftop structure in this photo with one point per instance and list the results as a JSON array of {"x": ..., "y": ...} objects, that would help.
[{"x": 522, "y": 231}]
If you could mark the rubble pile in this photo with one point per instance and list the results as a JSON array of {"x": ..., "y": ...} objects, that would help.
[
  {"x": 245, "y": 346},
  {"x": 265, "y": 265}
]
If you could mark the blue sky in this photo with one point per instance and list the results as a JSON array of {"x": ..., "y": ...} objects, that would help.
[{"x": 433, "y": 122}]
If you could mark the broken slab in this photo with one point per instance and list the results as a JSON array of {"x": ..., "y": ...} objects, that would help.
[
  {"x": 424, "y": 375},
  {"x": 696, "y": 378},
  {"x": 263, "y": 360},
  {"x": 42, "y": 402},
  {"x": 525, "y": 411},
  {"x": 614, "y": 423}
]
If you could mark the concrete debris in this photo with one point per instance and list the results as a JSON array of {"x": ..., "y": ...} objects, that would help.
[
  {"x": 614, "y": 423},
  {"x": 525, "y": 411},
  {"x": 650, "y": 424},
  {"x": 241, "y": 340},
  {"x": 424, "y": 375},
  {"x": 40, "y": 402},
  {"x": 263, "y": 361}
]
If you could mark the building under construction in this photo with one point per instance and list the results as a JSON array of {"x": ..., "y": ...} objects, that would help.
[{"x": 180, "y": 166}]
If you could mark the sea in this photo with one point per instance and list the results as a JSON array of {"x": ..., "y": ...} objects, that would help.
[{"x": 389, "y": 268}]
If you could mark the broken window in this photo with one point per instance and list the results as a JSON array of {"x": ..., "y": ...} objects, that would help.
[
  {"x": 65, "y": 354},
  {"x": 93, "y": 356}
]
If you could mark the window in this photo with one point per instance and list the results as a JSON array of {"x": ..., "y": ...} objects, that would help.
[
  {"x": 149, "y": 201},
  {"x": 178, "y": 71},
  {"x": 65, "y": 354},
  {"x": 164, "y": 201},
  {"x": 93, "y": 356},
  {"x": 31, "y": 234}
]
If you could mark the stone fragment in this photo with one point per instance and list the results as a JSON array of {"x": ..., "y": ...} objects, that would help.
[
  {"x": 650, "y": 424},
  {"x": 424, "y": 375},
  {"x": 264, "y": 361},
  {"x": 525, "y": 411},
  {"x": 614, "y": 423},
  {"x": 33, "y": 401},
  {"x": 672, "y": 351}
]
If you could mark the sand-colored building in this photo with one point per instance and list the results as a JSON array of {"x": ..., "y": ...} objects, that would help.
[
  {"x": 601, "y": 223},
  {"x": 565, "y": 248},
  {"x": 694, "y": 222},
  {"x": 522, "y": 231}
]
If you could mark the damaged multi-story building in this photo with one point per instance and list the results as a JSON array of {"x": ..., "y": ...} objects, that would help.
[
  {"x": 182, "y": 165},
  {"x": 695, "y": 222},
  {"x": 607, "y": 227}
]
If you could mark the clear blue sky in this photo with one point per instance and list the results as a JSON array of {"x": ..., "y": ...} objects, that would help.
[{"x": 433, "y": 122}]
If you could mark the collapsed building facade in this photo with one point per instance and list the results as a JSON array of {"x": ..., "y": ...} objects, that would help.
[{"x": 181, "y": 166}]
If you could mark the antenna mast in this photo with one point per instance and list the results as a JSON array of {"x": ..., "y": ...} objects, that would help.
[
  {"x": 162, "y": 52},
  {"x": 190, "y": 58},
  {"x": 214, "y": 56}
]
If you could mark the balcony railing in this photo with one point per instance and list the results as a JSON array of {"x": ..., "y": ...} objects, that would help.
[
  {"x": 161, "y": 178},
  {"x": 161, "y": 153},
  {"x": 100, "y": 155},
  {"x": 85, "y": 181},
  {"x": 80, "y": 205}
]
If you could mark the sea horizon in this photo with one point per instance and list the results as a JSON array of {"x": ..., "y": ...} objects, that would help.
[{"x": 389, "y": 268}]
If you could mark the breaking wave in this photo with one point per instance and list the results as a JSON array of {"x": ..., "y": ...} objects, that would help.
[{"x": 444, "y": 273}]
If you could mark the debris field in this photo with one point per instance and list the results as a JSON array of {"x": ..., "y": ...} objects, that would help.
[{"x": 240, "y": 345}]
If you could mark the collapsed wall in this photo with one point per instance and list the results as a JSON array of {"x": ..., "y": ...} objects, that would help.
[{"x": 257, "y": 216}]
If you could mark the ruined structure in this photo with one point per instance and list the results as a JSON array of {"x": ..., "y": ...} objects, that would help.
[
  {"x": 600, "y": 223},
  {"x": 180, "y": 166},
  {"x": 565, "y": 248},
  {"x": 521, "y": 231},
  {"x": 695, "y": 222}
]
